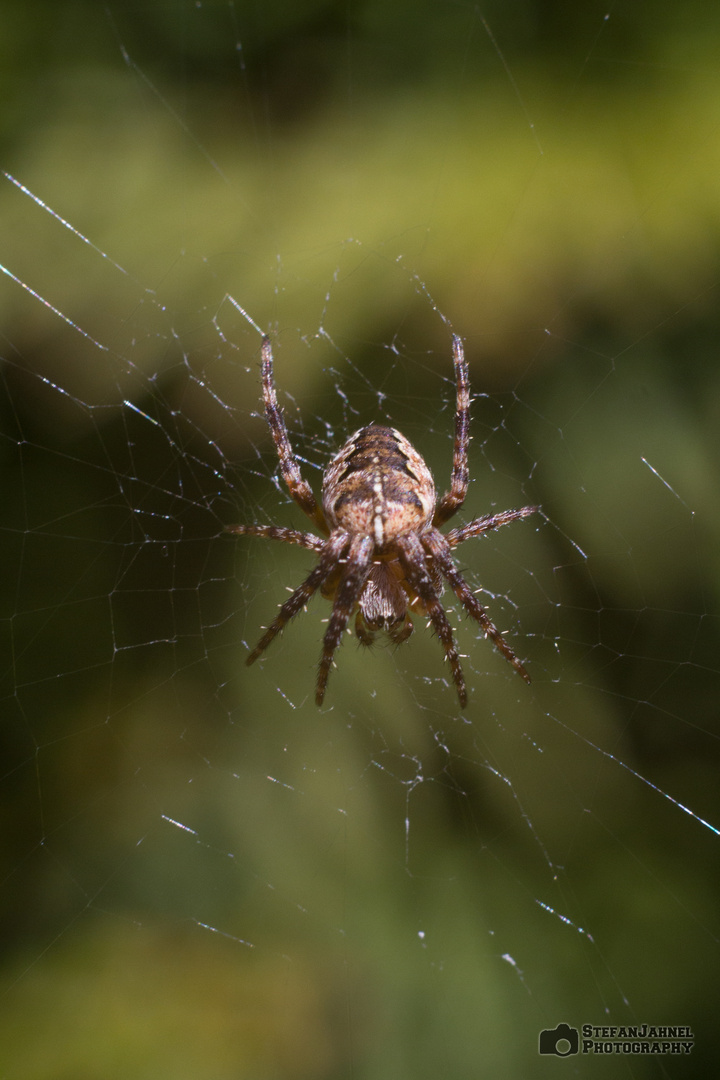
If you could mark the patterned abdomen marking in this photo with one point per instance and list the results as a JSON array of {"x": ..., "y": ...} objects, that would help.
[{"x": 378, "y": 485}]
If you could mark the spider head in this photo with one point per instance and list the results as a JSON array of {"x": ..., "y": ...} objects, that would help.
[{"x": 383, "y": 606}]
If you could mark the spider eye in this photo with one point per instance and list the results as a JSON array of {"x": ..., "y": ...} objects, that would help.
[
  {"x": 379, "y": 613},
  {"x": 397, "y": 627},
  {"x": 384, "y": 622}
]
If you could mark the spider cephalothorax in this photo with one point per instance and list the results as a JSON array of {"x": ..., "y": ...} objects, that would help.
[{"x": 384, "y": 555}]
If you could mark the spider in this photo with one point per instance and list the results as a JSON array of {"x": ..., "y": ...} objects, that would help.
[{"x": 382, "y": 554}]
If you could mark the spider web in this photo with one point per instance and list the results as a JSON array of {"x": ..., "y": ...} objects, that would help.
[{"x": 205, "y": 875}]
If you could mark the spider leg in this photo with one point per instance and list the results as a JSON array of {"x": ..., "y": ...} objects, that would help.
[
  {"x": 278, "y": 532},
  {"x": 438, "y": 548},
  {"x": 358, "y": 564},
  {"x": 298, "y": 487},
  {"x": 331, "y": 552},
  {"x": 413, "y": 559},
  {"x": 453, "y": 499},
  {"x": 486, "y": 523}
]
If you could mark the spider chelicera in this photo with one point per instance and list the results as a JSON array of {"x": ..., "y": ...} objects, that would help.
[{"x": 383, "y": 554}]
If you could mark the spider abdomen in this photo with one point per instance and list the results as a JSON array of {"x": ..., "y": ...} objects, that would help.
[{"x": 378, "y": 485}]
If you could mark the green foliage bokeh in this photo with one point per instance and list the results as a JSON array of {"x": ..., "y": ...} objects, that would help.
[{"x": 551, "y": 176}]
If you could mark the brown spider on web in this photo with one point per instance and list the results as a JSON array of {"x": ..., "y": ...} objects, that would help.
[{"x": 383, "y": 554}]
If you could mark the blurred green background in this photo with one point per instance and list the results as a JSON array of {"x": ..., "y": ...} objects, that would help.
[{"x": 204, "y": 875}]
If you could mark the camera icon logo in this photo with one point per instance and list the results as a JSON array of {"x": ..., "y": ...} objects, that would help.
[{"x": 562, "y": 1041}]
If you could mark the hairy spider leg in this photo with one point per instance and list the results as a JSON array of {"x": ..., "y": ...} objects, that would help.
[
  {"x": 486, "y": 523},
  {"x": 332, "y": 550},
  {"x": 298, "y": 487},
  {"x": 453, "y": 499},
  {"x": 348, "y": 591},
  {"x": 438, "y": 549},
  {"x": 279, "y": 532},
  {"x": 413, "y": 558}
]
